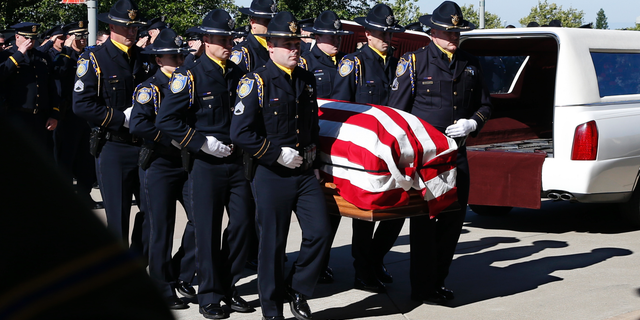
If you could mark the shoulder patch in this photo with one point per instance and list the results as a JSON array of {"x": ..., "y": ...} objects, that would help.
[
  {"x": 236, "y": 56},
  {"x": 345, "y": 68},
  {"x": 402, "y": 67},
  {"x": 144, "y": 95},
  {"x": 178, "y": 82},
  {"x": 245, "y": 87},
  {"x": 83, "y": 67}
]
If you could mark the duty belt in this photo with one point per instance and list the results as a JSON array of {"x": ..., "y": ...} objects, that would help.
[{"x": 123, "y": 137}]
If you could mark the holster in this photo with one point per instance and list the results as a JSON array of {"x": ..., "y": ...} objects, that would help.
[
  {"x": 187, "y": 160},
  {"x": 250, "y": 164},
  {"x": 97, "y": 140},
  {"x": 145, "y": 156}
]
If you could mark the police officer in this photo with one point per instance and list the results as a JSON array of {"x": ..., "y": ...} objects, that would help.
[
  {"x": 252, "y": 52},
  {"x": 102, "y": 91},
  {"x": 365, "y": 77},
  {"x": 323, "y": 57},
  {"x": 194, "y": 41},
  {"x": 163, "y": 178},
  {"x": 276, "y": 122},
  {"x": 196, "y": 113},
  {"x": 29, "y": 91},
  {"x": 308, "y": 41},
  {"x": 71, "y": 137},
  {"x": 442, "y": 85}
]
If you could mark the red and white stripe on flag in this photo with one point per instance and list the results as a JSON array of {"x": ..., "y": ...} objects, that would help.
[
  {"x": 376, "y": 154},
  {"x": 73, "y": 1}
]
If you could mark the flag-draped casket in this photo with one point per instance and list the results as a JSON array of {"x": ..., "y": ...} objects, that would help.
[{"x": 375, "y": 155}]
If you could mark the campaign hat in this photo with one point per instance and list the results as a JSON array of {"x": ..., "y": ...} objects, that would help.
[
  {"x": 218, "y": 21},
  {"x": 156, "y": 23},
  {"x": 327, "y": 22},
  {"x": 123, "y": 13},
  {"x": 447, "y": 17},
  {"x": 283, "y": 25},
  {"x": 261, "y": 9},
  {"x": 167, "y": 42},
  {"x": 381, "y": 18},
  {"x": 26, "y": 29}
]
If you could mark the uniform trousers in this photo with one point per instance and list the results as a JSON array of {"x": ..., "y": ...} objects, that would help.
[
  {"x": 216, "y": 184},
  {"x": 277, "y": 195},
  {"x": 164, "y": 183},
  {"x": 433, "y": 241},
  {"x": 119, "y": 179},
  {"x": 368, "y": 249},
  {"x": 71, "y": 142},
  {"x": 33, "y": 126}
]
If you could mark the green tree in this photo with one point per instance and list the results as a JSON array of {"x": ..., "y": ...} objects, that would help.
[
  {"x": 405, "y": 11},
  {"x": 545, "y": 12},
  {"x": 601, "y": 20},
  {"x": 491, "y": 21}
]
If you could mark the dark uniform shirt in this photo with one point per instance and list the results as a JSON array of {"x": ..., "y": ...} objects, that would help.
[
  {"x": 249, "y": 54},
  {"x": 65, "y": 64},
  {"x": 28, "y": 81},
  {"x": 438, "y": 91},
  {"x": 147, "y": 98},
  {"x": 104, "y": 84},
  {"x": 272, "y": 111},
  {"x": 199, "y": 102},
  {"x": 323, "y": 67},
  {"x": 364, "y": 77}
]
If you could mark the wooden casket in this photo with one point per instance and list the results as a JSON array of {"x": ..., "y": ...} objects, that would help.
[{"x": 381, "y": 163}]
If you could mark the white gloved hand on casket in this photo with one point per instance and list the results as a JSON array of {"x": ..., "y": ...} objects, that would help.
[
  {"x": 290, "y": 158},
  {"x": 461, "y": 128}
]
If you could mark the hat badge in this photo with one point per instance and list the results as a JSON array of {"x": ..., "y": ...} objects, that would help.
[
  {"x": 231, "y": 23},
  {"x": 455, "y": 19},
  {"x": 34, "y": 28},
  {"x": 293, "y": 27},
  {"x": 81, "y": 24},
  {"x": 274, "y": 8},
  {"x": 178, "y": 41},
  {"x": 132, "y": 13},
  {"x": 337, "y": 24},
  {"x": 390, "y": 20}
]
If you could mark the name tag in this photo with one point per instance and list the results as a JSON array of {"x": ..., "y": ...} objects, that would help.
[
  {"x": 427, "y": 82},
  {"x": 207, "y": 98}
]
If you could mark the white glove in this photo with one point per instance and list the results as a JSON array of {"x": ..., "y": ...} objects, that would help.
[
  {"x": 216, "y": 148},
  {"x": 176, "y": 144},
  {"x": 290, "y": 158},
  {"x": 461, "y": 128},
  {"x": 127, "y": 116}
]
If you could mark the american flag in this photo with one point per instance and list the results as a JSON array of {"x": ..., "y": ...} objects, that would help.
[{"x": 376, "y": 154}]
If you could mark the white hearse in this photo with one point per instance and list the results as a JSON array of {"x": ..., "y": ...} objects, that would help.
[{"x": 566, "y": 119}]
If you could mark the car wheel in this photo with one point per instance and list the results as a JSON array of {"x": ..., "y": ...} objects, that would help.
[{"x": 490, "y": 210}]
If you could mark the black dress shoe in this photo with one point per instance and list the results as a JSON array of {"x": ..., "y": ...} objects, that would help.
[
  {"x": 273, "y": 318},
  {"x": 299, "y": 305},
  {"x": 371, "y": 284},
  {"x": 432, "y": 298},
  {"x": 382, "y": 274},
  {"x": 326, "y": 276},
  {"x": 185, "y": 289},
  {"x": 213, "y": 311},
  {"x": 236, "y": 303},
  {"x": 175, "y": 303},
  {"x": 446, "y": 293}
]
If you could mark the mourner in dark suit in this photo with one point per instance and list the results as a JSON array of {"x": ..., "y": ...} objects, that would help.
[
  {"x": 252, "y": 52},
  {"x": 196, "y": 113},
  {"x": 365, "y": 77},
  {"x": 102, "y": 92},
  {"x": 276, "y": 122},
  {"x": 163, "y": 179},
  {"x": 442, "y": 85},
  {"x": 28, "y": 88}
]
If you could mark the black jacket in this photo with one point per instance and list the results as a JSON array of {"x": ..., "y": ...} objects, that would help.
[
  {"x": 249, "y": 54},
  {"x": 322, "y": 66}
]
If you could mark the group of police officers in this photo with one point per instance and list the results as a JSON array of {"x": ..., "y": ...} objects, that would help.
[{"x": 236, "y": 127}]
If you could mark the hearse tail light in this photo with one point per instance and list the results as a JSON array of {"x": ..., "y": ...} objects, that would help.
[{"x": 585, "y": 142}]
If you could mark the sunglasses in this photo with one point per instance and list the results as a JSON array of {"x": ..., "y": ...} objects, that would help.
[{"x": 81, "y": 36}]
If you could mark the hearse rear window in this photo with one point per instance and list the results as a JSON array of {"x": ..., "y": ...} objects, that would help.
[{"x": 618, "y": 73}]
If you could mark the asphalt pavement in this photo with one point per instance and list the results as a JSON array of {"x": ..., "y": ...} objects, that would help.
[{"x": 565, "y": 261}]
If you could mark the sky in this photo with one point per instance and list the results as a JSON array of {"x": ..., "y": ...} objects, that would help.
[{"x": 620, "y": 13}]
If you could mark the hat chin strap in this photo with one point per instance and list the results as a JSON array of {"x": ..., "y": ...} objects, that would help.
[
  {"x": 127, "y": 22},
  {"x": 378, "y": 25},
  {"x": 448, "y": 27}
]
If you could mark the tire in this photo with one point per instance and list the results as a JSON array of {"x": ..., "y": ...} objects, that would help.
[
  {"x": 490, "y": 210},
  {"x": 631, "y": 209}
]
